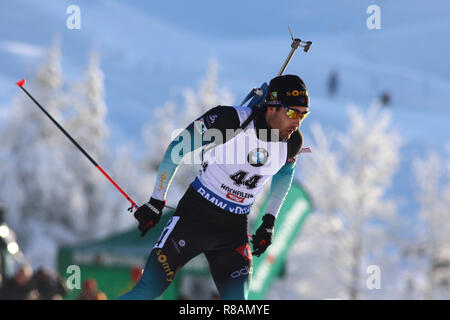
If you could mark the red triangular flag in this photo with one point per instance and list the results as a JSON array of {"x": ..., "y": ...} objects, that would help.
[{"x": 21, "y": 83}]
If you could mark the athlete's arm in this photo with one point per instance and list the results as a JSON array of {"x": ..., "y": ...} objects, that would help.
[
  {"x": 282, "y": 180},
  {"x": 149, "y": 214},
  {"x": 190, "y": 139},
  {"x": 280, "y": 185}
]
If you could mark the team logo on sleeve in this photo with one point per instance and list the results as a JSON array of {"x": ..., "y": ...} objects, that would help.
[
  {"x": 212, "y": 118},
  {"x": 258, "y": 157},
  {"x": 162, "y": 179}
]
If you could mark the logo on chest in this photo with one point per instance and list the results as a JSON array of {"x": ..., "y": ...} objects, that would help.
[{"x": 258, "y": 157}]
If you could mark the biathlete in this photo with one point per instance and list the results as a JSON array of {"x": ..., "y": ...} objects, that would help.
[{"x": 250, "y": 146}]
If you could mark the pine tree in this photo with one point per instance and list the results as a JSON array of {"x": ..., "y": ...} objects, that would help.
[
  {"x": 433, "y": 178},
  {"x": 87, "y": 124},
  {"x": 36, "y": 183},
  {"x": 134, "y": 180}
]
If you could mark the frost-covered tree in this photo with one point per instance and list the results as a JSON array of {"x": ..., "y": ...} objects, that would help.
[
  {"x": 208, "y": 95},
  {"x": 157, "y": 135},
  {"x": 433, "y": 178},
  {"x": 54, "y": 194},
  {"x": 347, "y": 176},
  {"x": 87, "y": 99},
  {"x": 136, "y": 184},
  {"x": 36, "y": 183},
  {"x": 87, "y": 124}
]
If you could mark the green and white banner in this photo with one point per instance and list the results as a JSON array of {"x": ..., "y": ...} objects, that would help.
[{"x": 290, "y": 219}]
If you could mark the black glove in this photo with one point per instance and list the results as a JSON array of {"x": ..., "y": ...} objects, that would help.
[
  {"x": 149, "y": 214},
  {"x": 263, "y": 235}
]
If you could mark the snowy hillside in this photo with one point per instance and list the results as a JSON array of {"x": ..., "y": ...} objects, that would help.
[{"x": 149, "y": 52}]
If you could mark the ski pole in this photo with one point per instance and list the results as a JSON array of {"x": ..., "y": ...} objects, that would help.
[{"x": 133, "y": 204}]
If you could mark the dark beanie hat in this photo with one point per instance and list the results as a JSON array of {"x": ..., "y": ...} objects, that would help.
[{"x": 289, "y": 89}]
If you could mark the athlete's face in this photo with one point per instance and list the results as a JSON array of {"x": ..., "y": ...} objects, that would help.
[{"x": 277, "y": 118}]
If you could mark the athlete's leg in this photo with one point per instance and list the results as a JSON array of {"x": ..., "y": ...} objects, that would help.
[
  {"x": 172, "y": 250},
  {"x": 231, "y": 270}
]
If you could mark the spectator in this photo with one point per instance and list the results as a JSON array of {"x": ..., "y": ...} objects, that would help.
[
  {"x": 332, "y": 83},
  {"x": 19, "y": 287},
  {"x": 49, "y": 287},
  {"x": 90, "y": 291},
  {"x": 386, "y": 98}
]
